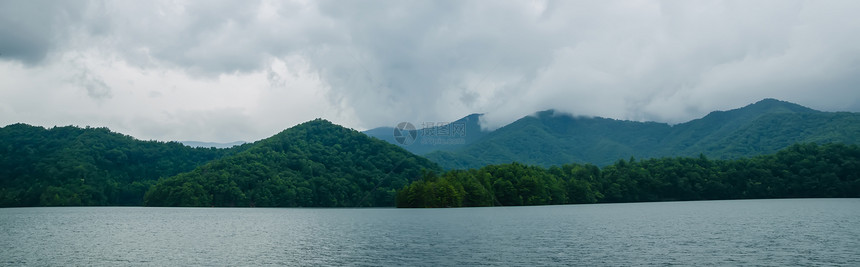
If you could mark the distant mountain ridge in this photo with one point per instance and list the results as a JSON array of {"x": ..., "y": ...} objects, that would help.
[
  {"x": 212, "y": 144},
  {"x": 549, "y": 138},
  {"x": 439, "y": 136}
]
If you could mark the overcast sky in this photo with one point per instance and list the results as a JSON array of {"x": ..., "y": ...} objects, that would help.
[{"x": 245, "y": 70}]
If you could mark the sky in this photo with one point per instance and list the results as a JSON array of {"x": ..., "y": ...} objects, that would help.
[{"x": 223, "y": 71}]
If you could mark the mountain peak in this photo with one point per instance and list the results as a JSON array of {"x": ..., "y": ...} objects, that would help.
[
  {"x": 432, "y": 136},
  {"x": 472, "y": 116},
  {"x": 752, "y": 111},
  {"x": 554, "y": 114},
  {"x": 317, "y": 122},
  {"x": 770, "y": 105},
  {"x": 318, "y": 162}
]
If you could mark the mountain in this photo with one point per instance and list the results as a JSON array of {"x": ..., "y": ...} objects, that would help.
[
  {"x": 318, "y": 163},
  {"x": 313, "y": 164},
  {"x": 709, "y": 134},
  {"x": 434, "y": 136},
  {"x": 212, "y": 144},
  {"x": 551, "y": 138},
  {"x": 87, "y": 166}
]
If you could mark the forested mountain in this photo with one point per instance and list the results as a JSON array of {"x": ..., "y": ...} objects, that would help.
[
  {"x": 314, "y": 164},
  {"x": 87, "y": 166},
  {"x": 549, "y": 138},
  {"x": 319, "y": 164},
  {"x": 799, "y": 171},
  {"x": 444, "y": 137}
]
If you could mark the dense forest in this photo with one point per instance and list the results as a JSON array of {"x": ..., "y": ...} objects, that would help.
[
  {"x": 320, "y": 164},
  {"x": 551, "y": 138},
  {"x": 314, "y": 164},
  {"x": 799, "y": 171},
  {"x": 65, "y": 166}
]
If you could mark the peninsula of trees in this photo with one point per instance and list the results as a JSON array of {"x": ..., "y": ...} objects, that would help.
[{"x": 799, "y": 171}]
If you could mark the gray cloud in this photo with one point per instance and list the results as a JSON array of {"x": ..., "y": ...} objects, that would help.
[
  {"x": 95, "y": 87},
  {"x": 389, "y": 61},
  {"x": 32, "y": 30},
  {"x": 28, "y": 30},
  {"x": 214, "y": 124}
]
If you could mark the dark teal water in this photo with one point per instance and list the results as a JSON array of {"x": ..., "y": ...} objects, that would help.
[{"x": 740, "y": 232}]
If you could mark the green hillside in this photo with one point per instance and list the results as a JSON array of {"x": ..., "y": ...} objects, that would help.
[
  {"x": 68, "y": 165},
  {"x": 314, "y": 164},
  {"x": 549, "y": 138},
  {"x": 319, "y": 164},
  {"x": 714, "y": 133}
]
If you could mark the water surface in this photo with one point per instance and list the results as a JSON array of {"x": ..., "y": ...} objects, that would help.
[{"x": 738, "y": 232}]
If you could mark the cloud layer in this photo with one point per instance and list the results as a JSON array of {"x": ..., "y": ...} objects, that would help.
[{"x": 243, "y": 70}]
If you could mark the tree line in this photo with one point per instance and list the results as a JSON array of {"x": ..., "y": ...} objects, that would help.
[{"x": 799, "y": 171}]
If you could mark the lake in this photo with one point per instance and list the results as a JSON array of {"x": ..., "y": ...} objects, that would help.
[{"x": 736, "y": 232}]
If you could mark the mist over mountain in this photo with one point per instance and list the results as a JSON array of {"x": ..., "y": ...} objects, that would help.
[
  {"x": 433, "y": 136},
  {"x": 552, "y": 138}
]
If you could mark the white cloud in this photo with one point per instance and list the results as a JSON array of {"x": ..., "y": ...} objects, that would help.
[{"x": 243, "y": 70}]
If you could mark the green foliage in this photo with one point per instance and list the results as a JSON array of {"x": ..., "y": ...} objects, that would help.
[
  {"x": 551, "y": 139},
  {"x": 799, "y": 171},
  {"x": 314, "y": 164},
  {"x": 319, "y": 164},
  {"x": 65, "y": 166}
]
